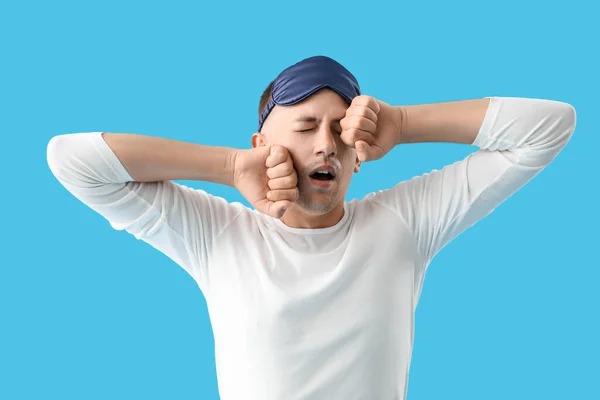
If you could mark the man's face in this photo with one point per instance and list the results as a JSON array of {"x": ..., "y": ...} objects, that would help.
[{"x": 310, "y": 130}]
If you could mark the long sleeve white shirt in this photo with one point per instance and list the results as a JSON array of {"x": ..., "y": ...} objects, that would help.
[{"x": 301, "y": 314}]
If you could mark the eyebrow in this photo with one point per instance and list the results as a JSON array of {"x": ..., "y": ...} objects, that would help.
[{"x": 310, "y": 118}]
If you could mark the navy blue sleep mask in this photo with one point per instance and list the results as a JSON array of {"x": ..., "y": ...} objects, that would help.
[{"x": 308, "y": 76}]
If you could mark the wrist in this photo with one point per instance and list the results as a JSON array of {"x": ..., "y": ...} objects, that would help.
[
  {"x": 401, "y": 123},
  {"x": 230, "y": 167}
]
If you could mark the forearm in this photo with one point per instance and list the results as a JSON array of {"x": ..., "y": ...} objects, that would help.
[
  {"x": 452, "y": 122},
  {"x": 151, "y": 159},
  {"x": 530, "y": 132}
]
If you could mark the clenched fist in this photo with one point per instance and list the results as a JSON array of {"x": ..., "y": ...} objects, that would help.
[
  {"x": 372, "y": 127},
  {"x": 266, "y": 177}
]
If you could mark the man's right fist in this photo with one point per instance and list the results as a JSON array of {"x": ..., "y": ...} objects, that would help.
[{"x": 266, "y": 177}]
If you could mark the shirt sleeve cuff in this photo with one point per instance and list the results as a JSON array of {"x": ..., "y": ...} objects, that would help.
[
  {"x": 111, "y": 159},
  {"x": 485, "y": 138}
]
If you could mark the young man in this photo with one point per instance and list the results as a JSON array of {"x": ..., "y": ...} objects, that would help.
[{"x": 310, "y": 296}]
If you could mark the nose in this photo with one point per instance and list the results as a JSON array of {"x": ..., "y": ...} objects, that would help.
[{"x": 325, "y": 142}]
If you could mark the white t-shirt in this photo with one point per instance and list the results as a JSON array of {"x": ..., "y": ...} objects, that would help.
[{"x": 318, "y": 313}]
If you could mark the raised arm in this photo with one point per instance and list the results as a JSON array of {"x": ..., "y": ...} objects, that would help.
[
  {"x": 517, "y": 138},
  {"x": 126, "y": 178}
]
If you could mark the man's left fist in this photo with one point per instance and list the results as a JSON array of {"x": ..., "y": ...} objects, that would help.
[{"x": 372, "y": 127}]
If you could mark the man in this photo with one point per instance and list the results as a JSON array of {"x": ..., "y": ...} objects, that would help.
[{"x": 310, "y": 296}]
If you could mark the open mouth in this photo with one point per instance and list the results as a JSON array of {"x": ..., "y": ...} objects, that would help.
[
  {"x": 322, "y": 176},
  {"x": 324, "y": 172}
]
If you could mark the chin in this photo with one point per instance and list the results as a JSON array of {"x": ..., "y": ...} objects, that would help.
[{"x": 318, "y": 203}]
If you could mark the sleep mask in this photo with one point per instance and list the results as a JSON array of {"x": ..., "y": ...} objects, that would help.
[{"x": 305, "y": 78}]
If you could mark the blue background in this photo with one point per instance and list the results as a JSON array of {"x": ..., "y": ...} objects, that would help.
[{"x": 509, "y": 309}]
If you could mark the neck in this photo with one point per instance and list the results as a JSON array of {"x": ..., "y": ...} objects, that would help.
[{"x": 295, "y": 217}]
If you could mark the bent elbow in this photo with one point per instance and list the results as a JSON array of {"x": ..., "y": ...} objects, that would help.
[
  {"x": 566, "y": 119},
  {"x": 55, "y": 155},
  {"x": 70, "y": 158}
]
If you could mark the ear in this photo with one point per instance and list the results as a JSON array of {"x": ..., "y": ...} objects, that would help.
[
  {"x": 357, "y": 165},
  {"x": 258, "y": 140}
]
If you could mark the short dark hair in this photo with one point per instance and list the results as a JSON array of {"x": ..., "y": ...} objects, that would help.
[{"x": 264, "y": 99}]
